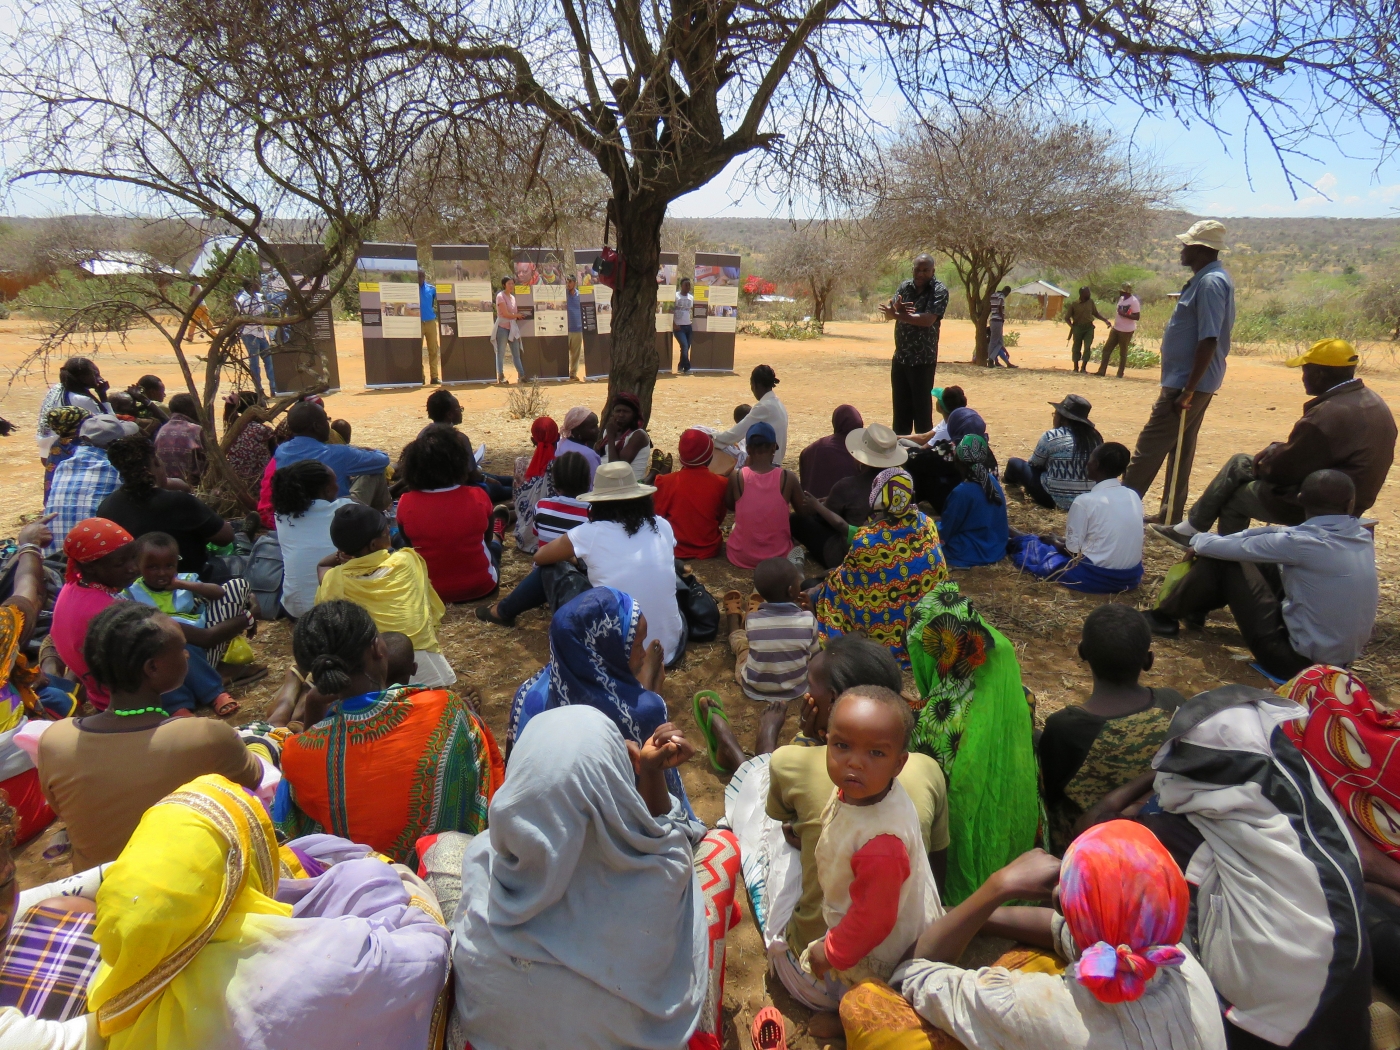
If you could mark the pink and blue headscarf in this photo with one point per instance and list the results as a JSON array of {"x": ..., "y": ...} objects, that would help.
[{"x": 1125, "y": 903}]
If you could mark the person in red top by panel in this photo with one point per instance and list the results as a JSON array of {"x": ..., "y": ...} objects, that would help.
[
  {"x": 448, "y": 519},
  {"x": 692, "y": 499}
]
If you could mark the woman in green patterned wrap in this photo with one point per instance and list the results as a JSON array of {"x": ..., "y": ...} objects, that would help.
[{"x": 974, "y": 720}]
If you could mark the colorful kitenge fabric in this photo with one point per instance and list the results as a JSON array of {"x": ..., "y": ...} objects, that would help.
[
  {"x": 385, "y": 769},
  {"x": 1354, "y": 747},
  {"x": 948, "y": 643},
  {"x": 248, "y": 455},
  {"x": 876, "y": 1017},
  {"x": 891, "y": 565},
  {"x": 1125, "y": 902},
  {"x": 49, "y": 960},
  {"x": 975, "y": 721}
]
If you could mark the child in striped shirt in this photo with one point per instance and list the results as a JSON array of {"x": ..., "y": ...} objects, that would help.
[
  {"x": 557, "y": 514},
  {"x": 778, "y": 639}
]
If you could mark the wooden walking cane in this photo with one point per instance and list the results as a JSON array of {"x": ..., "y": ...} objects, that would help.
[{"x": 1176, "y": 469}]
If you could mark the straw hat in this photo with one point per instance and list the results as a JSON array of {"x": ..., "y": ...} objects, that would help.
[
  {"x": 615, "y": 481},
  {"x": 1207, "y": 233},
  {"x": 876, "y": 446}
]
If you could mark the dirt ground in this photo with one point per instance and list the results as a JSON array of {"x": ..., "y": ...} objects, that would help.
[{"x": 1258, "y": 404}]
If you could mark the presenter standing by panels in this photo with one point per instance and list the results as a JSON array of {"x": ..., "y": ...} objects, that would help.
[{"x": 427, "y": 315}]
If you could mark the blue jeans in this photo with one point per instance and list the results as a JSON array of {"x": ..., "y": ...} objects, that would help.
[
  {"x": 684, "y": 334},
  {"x": 553, "y": 585},
  {"x": 1019, "y": 472},
  {"x": 499, "y": 488},
  {"x": 201, "y": 686},
  {"x": 257, "y": 348},
  {"x": 502, "y": 338}
]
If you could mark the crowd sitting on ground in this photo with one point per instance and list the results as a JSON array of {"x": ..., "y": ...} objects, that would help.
[{"x": 1215, "y": 872}]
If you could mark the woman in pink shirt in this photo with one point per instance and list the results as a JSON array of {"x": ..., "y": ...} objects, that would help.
[
  {"x": 507, "y": 331},
  {"x": 760, "y": 495},
  {"x": 101, "y": 563}
]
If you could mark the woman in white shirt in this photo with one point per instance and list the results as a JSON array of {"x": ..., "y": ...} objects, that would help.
[
  {"x": 682, "y": 324},
  {"x": 305, "y": 499},
  {"x": 768, "y": 409},
  {"x": 626, "y": 546},
  {"x": 507, "y": 331}
]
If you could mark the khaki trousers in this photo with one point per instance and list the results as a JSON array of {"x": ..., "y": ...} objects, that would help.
[
  {"x": 1156, "y": 445},
  {"x": 430, "y": 336},
  {"x": 575, "y": 353}
]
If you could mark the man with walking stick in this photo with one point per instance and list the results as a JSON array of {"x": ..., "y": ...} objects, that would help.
[{"x": 1194, "y": 347}]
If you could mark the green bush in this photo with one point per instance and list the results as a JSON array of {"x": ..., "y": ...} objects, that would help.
[
  {"x": 1141, "y": 358},
  {"x": 1011, "y": 337},
  {"x": 780, "y": 329},
  {"x": 102, "y": 303}
]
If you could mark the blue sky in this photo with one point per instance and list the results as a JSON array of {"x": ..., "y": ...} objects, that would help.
[{"x": 1231, "y": 173}]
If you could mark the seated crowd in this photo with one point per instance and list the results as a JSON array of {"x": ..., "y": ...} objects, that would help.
[{"x": 1174, "y": 873}]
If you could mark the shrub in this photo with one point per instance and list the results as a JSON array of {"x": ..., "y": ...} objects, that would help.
[
  {"x": 1011, "y": 337},
  {"x": 104, "y": 303},
  {"x": 782, "y": 329},
  {"x": 527, "y": 402}
]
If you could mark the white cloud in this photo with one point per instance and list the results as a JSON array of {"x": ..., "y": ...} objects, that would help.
[{"x": 1386, "y": 193}]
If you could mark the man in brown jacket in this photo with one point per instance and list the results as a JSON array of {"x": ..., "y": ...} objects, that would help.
[{"x": 1345, "y": 427}]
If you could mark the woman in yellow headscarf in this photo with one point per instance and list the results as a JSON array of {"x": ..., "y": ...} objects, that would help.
[{"x": 198, "y": 952}]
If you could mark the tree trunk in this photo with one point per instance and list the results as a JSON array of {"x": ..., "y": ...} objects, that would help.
[{"x": 634, "y": 360}]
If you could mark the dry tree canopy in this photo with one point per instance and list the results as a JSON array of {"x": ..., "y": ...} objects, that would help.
[
  {"x": 244, "y": 109},
  {"x": 990, "y": 188}
]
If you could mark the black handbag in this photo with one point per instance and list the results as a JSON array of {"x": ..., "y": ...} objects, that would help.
[{"x": 698, "y": 606}]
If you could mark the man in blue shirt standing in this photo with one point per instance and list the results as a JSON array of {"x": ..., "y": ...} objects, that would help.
[
  {"x": 575, "y": 308},
  {"x": 1194, "y": 347},
  {"x": 427, "y": 310}
]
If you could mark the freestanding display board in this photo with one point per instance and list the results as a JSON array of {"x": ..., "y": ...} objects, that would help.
[
  {"x": 389, "y": 315},
  {"x": 716, "y": 312},
  {"x": 465, "y": 309},
  {"x": 665, "y": 308},
  {"x": 540, "y": 298},
  {"x": 596, "y": 302},
  {"x": 303, "y": 354}
]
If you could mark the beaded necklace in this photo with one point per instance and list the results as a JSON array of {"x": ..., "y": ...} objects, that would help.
[{"x": 137, "y": 711}]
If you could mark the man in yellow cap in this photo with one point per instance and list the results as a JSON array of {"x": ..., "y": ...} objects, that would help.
[
  {"x": 1345, "y": 427},
  {"x": 1194, "y": 347}
]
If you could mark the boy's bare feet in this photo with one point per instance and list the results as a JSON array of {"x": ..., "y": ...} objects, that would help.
[
  {"x": 471, "y": 698},
  {"x": 770, "y": 726},
  {"x": 825, "y": 1025},
  {"x": 653, "y": 672}
]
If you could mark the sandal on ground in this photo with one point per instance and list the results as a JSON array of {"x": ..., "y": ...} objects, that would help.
[
  {"x": 755, "y": 600},
  {"x": 484, "y": 612},
  {"x": 702, "y": 719},
  {"x": 225, "y": 706},
  {"x": 241, "y": 674},
  {"x": 732, "y": 603},
  {"x": 769, "y": 1030}
]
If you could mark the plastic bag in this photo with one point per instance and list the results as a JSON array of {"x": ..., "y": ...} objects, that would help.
[
  {"x": 239, "y": 651},
  {"x": 1173, "y": 577}
]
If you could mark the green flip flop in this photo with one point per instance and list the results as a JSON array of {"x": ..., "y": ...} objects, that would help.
[{"x": 702, "y": 719}]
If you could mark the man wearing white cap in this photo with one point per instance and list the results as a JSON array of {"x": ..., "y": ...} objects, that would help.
[
  {"x": 85, "y": 478},
  {"x": 1194, "y": 347}
]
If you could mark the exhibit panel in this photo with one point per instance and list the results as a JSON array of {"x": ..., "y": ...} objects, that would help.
[
  {"x": 390, "y": 318},
  {"x": 466, "y": 312},
  {"x": 716, "y": 312},
  {"x": 540, "y": 297},
  {"x": 595, "y": 306},
  {"x": 665, "y": 308},
  {"x": 303, "y": 354}
]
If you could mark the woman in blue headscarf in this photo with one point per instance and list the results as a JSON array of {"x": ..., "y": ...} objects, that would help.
[{"x": 596, "y": 656}]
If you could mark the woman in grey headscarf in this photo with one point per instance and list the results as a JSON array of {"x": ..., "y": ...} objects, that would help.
[{"x": 582, "y": 921}]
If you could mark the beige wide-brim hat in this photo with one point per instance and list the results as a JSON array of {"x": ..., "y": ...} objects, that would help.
[
  {"x": 1207, "y": 232},
  {"x": 876, "y": 446},
  {"x": 615, "y": 481},
  {"x": 1125, "y": 287}
]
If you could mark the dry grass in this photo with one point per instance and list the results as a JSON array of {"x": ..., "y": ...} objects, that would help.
[{"x": 527, "y": 402}]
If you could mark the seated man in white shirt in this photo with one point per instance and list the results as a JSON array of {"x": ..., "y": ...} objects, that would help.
[
  {"x": 1101, "y": 552},
  {"x": 1301, "y": 594}
]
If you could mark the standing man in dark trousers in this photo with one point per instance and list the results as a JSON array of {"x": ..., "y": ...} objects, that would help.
[
  {"x": 1194, "y": 347},
  {"x": 1079, "y": 315},
  {"x": 917, "y": 312}
]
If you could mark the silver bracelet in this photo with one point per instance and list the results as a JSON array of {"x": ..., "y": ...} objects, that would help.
[{"x": 30, "y": 547}]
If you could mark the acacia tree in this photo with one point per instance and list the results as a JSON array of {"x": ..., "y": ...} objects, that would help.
[
  {"x": 821, "y": 259},
  {"x": 992, "y": 188},
  {"x": 664, "y": 97}
]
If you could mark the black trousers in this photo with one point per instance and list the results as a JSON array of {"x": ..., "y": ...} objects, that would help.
[
  {"x": 911, "y": 389},
  {"x": 1254, "y": 594},
  {"x": 934, "y": 477},
  {"x": 1019, "y": 472},
  {"x": 823, "y": 543}
]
